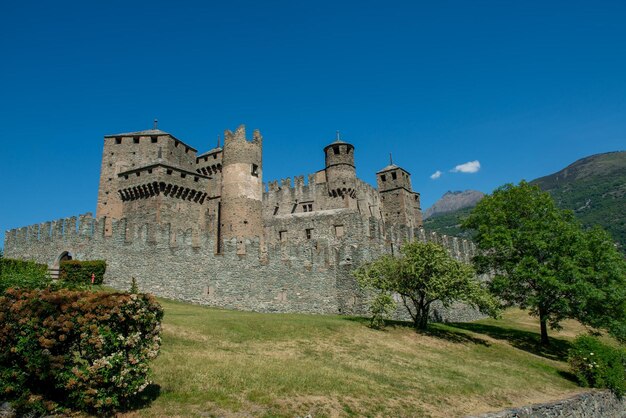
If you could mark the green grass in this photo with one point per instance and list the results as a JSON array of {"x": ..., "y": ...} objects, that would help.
[{"x": 225, "y": 363}]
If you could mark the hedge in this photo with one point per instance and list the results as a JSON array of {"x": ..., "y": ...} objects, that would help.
[
  {"x": 76, "y": 349},
  {"x": 23, "y": 274},
  {"x": 79, "y": 272}
]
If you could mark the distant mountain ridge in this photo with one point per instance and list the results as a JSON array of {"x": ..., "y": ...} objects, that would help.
[
  {"x": 453, "y": 201},
  {"x": 593, "y": 187}
]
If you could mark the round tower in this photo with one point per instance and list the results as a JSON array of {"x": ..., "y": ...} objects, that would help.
[
  {"x": 241, "y": 206},
  {"x": 340, "y": 170}
]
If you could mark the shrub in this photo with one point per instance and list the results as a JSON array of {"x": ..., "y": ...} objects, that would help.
[
  {"x": 23, "y": 274},
  {"x": 381, "y": 308},
  {"x": 598, "y": 365},
  {"x": 79, "y": 272},
  {"x": 84, "y": 350}
]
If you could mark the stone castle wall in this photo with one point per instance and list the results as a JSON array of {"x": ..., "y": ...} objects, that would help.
[{"x": 298, "y": 275}]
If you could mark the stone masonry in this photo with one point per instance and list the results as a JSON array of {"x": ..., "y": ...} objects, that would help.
[{"x": 206, "y": 229}]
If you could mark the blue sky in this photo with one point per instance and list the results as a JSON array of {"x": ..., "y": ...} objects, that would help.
[{"x": 525, "y": 88}]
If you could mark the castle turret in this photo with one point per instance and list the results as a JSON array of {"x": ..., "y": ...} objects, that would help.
[
  {"x": 240, "y": 213},
  {"x": 400, "y": 204},
  {"x": 340, "y": 170}
]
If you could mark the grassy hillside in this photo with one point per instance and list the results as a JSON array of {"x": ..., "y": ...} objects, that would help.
[
  {"x": 225, "y": 363},
  {"x": 449, "y": 223},
  {"x": 595, "y": 189}
]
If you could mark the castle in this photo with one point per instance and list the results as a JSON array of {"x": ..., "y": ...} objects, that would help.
[{"x": 206, "y": 229}]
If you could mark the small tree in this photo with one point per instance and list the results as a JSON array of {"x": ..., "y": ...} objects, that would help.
[
  {"x": 543, "y": 261},
  {"x": 424, "y": 273}
]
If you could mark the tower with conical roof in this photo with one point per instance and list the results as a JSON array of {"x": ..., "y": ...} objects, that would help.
[
  {"x": 400, "y": 204},
  {"x": 341, "y": 172}
]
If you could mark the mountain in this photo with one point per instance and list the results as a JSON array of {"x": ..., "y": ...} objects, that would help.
[
  {"x": 593, "y": 187},
  {"x": 453, "y": 201},
  {"x": 444, "y": 216}
]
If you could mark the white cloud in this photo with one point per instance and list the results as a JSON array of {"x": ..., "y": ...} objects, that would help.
[
  {"x": 435, "y": 175},
  {"x": 468, "y": 167}
]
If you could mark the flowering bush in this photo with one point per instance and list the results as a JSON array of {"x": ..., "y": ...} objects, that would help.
[
  {"x": 598, "y": 365},
  {"x": 84, "y": 350}
]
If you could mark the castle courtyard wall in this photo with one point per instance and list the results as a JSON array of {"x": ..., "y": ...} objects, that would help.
[{"x": 306, "y": 276}]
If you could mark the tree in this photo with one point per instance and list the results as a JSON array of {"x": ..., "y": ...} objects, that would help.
[
  {"x": 422, "y": 274},
  {"x": 543, "y": 261}
]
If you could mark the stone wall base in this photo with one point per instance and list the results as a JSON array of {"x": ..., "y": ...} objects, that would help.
[{"x": 594, "y": 404}]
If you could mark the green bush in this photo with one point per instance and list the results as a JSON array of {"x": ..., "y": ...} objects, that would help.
[
  {"x": 598, "y": 365},
  {"x": 23, "y": 274},
  {"x": 76, "y": 349},
  {"x": 79, "y": 272}
]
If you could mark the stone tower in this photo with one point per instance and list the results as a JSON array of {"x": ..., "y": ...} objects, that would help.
[
  {"x": 400, "y": 204},
  {"x": 241, "y": 208},
  {"x": 340, "y": 172}
]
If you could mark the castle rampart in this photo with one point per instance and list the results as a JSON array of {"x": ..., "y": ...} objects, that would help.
[{"x": 295, "y": 275}]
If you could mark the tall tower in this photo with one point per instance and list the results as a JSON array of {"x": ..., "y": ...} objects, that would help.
[
  {"x": 241, "y": 207},
  {"x": 400, "y": 204},
  {"x": 340, "y": 171}
]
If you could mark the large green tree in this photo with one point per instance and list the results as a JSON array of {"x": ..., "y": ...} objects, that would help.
[
  {"x": 422, "y": 274},
  {"x": 542, "y": 260}
]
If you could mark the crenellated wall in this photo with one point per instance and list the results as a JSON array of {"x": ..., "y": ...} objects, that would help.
[{"x": 297, "y": 275}]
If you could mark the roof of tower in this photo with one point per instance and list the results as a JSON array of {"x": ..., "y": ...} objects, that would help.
[
  {"x": 149, "y": 132},
  {"x": 392, "y": 167},
  {"x": 146, "y": 132},
  {"x": 211, "y": 151},
  {"x": 338, "y": 142}
]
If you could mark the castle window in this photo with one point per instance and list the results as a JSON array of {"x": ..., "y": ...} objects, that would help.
[
  {"x": 336, "y": 150},
  {"x": 383, "y": 178},
  {"x": 339, "y": 231},
  {"x": 138, "y": 173},
  {"x": 175, "y": 144},
  {"x": 125, "y": 177},
  {"x": 206, "y": 158},
  {"x": 214, "y": 156},
  {"x": 255, "y": 170},
  {"x": 196, "y": 179},
  {"x": 149, "y": 171},
  {"x": 394, "y": 175},
  {"x": 183, "y": 175},
  {"x": 186, "y": 150},
  {"x": 308, "y": 233},
  {"x": 136, "y": 140},
  {"x": 154, "y": 139},
  {"x": 118, "y": 141},
  {"x": 169, "y": 172},
  {"x": 282, "y": 235},
  {"x": 307, "y": 207}
]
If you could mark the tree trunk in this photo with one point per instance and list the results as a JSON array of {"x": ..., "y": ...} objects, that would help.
[
  {"x": 543, "y": 320},
  {"x": 422, "y": 318}
]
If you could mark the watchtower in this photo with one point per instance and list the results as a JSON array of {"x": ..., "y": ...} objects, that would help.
[
  {"x": 240, "y": 212},
  {"x": 400, "y": 204},
  {"x": 340, "y": 170}
]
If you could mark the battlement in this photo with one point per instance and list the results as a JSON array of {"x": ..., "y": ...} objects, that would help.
[
  {"x": 240, "y": 136},
  {"x": 78, "y": 231},
  {"x": 156, "y": 179},
  {"x": 293, "y": 183}
]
